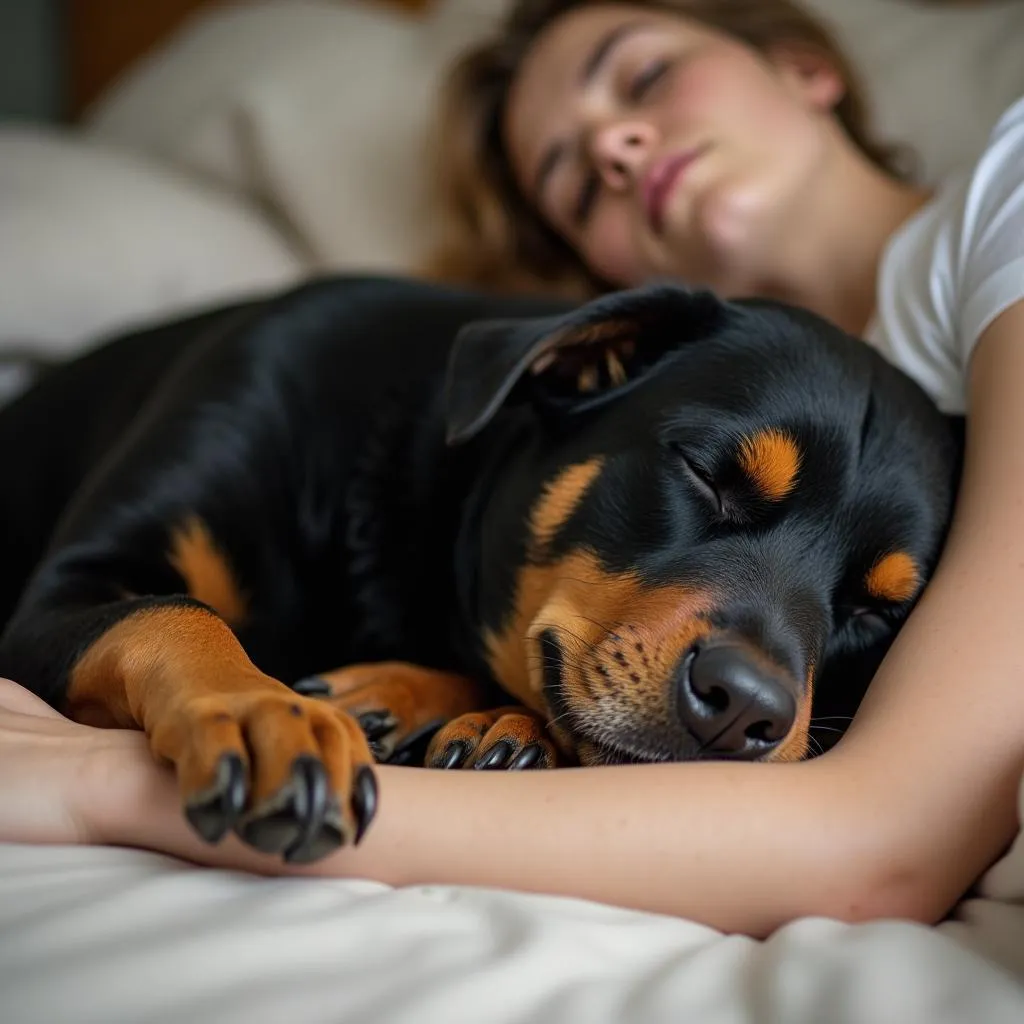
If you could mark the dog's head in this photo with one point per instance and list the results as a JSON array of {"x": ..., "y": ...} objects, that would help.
[{"x": 706, "y": 523}]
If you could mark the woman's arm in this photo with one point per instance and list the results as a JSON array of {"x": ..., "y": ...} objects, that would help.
[
  {"x": 897, "y": 820},
  {"x": 941, "y": 731},
  {"x": 739, "y": 847},
  {"x": 710, "y": 841}
]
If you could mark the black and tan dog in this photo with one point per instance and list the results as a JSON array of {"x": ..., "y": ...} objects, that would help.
[{"x": 658, "y": 527}]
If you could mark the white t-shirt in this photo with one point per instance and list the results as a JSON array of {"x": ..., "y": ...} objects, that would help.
[{"x": 954, "y": 267}]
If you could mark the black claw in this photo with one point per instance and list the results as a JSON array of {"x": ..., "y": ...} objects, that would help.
[
  {"x": 527, "y": 758},
  {"x": 312, "y": 686},
  {"x": 272, "y": 833},
  {"x": 312, "y": 795},
  {"x": 401, "y": 758},
  {"x": 290, "y": 822},
  {"x": 326, "y": 841},
  {"x": 413, "y": 749},
  {"x": 214, "y": 813},
  {"x": 454, "y": 755},
  {"x": 317, "y": 812},
  {"x": 376, "y": 724},
  {"x": 364, "y": 800},
  {"x": 496, "y": 756}
]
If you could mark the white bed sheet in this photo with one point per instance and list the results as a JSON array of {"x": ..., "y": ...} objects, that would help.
[{"x": 107, "y": 936}]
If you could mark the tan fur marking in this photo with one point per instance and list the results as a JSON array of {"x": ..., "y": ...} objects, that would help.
[
  {"x": 142, "y": 668},
  {"x": 559, "y": 501},
  {"x": 616, "y": 371},
  {"x": 597, "y": 614},
  {"x": 605, "y": 332},
  {"x": 588, "y": 378},
  {"x": 196, "y": 555},
  {"x": 414, "y": 695},
  {"x": 795, "y": 746},
  {"x": 894, "y": 577},
  {"x": 583, "y": 349},
  {"x": 771, "y": 459}
]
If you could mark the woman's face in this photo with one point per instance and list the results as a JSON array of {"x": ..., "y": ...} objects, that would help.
[{"x": 657, "y": 146}]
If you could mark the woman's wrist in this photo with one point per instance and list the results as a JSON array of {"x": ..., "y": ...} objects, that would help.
[
  {"x": 124, "y": 797},
  {"x": 62, "y": 782},
  {"x": 116, "y": 786}
]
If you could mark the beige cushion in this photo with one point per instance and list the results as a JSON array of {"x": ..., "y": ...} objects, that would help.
[
  {"x": 318, "y": 110},
  {"x": 93, "y": 239},
  {"x": 938, "y": 75}
]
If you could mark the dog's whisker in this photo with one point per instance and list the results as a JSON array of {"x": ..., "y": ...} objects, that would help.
[
  {"x": 603, "y": 626},
  {"x": 565, "y": 714},
  {"x": 584, "y": 645}
]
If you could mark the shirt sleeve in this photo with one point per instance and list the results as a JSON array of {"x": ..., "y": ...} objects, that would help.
[{"x": 992, "y": 249}]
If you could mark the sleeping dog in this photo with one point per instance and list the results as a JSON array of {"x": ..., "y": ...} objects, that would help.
[{"x": 287, "y": 537}]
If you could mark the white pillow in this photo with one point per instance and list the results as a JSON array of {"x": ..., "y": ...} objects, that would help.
[
  {"x": 93, "y": 239},
  {"x": 937, "y": 75}
]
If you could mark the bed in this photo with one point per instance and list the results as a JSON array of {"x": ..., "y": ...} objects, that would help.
[{"x": 227, "y": 143}]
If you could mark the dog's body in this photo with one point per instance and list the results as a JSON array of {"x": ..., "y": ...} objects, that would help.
[{"x": 621, "y": 517}]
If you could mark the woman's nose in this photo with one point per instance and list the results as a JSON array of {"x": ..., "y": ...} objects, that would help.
[{"x": 621, "y": 150}]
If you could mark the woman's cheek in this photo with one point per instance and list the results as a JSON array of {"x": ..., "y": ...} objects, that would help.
[
  {"x": 613, "y": 250},
  {"x": 693, "y": 92},
  {"x": 727, "y": 94}
]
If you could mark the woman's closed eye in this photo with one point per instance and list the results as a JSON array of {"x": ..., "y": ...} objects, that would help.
[{"x": 641, "y": 84}]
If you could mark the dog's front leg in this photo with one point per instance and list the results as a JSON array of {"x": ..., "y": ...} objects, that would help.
[{"x": 291, "y": 775}]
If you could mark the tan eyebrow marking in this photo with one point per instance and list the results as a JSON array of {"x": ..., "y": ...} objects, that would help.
[
  {"x": 894, "y": 577},
  {"x": 771, "y": 459}
]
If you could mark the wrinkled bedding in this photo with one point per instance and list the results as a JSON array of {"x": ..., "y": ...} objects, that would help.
[{"x": 110, "y": 936}]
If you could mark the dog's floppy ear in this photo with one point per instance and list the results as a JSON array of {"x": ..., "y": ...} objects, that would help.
[{"x": 573, "y": 361}]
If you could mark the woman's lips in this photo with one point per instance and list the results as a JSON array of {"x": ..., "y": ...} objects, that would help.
[{"x": 661, "y": 180}]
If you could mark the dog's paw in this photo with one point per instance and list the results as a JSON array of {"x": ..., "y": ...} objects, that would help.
[
  {"x": 292, "y": 776},
  {"x": 505, "y": 739},
  {"x": 398, "y": 706},
  {"x": 392, "y": 744}
]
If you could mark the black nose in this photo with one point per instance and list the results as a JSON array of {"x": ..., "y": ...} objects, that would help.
[{"x": 732, "y": 705}]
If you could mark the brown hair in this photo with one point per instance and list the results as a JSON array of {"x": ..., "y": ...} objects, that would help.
[{"x": 492, "y": 237}]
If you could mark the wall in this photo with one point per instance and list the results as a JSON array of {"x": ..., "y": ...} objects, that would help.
[{"x": 31, "y": 68}]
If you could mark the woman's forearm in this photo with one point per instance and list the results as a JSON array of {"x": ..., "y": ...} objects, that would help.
[
  {"x": 738, "y": 847},
  {"x": 941, "y": 730}
]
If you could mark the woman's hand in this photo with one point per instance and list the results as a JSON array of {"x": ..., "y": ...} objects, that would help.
[{"x": 53, "y": 770}]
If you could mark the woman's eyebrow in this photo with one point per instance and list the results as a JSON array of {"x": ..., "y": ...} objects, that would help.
[
  {"x": 606, "y": 45},
  {"x": 592, "y": 66}
]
